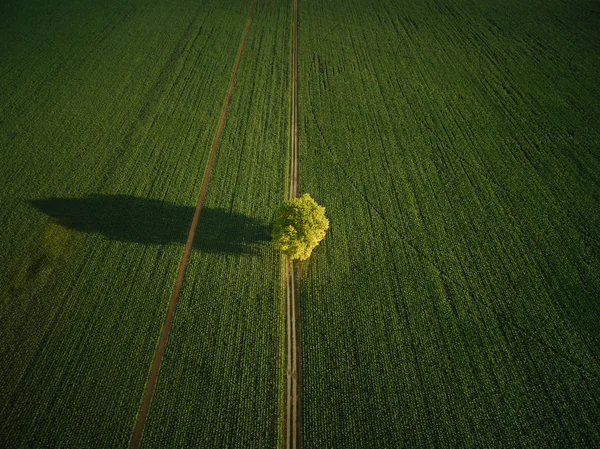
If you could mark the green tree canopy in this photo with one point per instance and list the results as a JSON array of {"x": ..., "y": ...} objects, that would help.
[{"x": 300, "y": 225}]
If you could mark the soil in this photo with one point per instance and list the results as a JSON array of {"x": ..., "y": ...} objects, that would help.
[{"x": 293, "y": 427}]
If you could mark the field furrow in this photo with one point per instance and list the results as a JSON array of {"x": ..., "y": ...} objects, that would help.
[
  {"x": 104, "y": 147},
  {"x": 221, "y": 382},
  {"x": 455, "y": 150}
]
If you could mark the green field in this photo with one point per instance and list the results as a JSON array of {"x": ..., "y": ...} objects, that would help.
[
  {"x": 221, "y": 381},
  {"x": 108, "y": 114},
  {"x": 455, "y": 146}
]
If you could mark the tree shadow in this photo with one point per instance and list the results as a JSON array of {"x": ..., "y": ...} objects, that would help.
[{"x": 141, "y": 220}]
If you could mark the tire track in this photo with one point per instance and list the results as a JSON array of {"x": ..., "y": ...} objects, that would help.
[
  {"x": 154, "y": 371},
  {"x": 292, "y": 275}
]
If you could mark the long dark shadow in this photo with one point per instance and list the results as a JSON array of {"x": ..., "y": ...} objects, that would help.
[{"x": 142, "y": 220}]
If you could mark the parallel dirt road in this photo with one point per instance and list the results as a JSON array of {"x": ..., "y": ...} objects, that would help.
[
  {"x": 151, "y": 385},
  {"x": 293, "y": 275}
]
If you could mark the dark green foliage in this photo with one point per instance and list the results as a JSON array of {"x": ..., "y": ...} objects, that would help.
[
  {"x": 457, "y": 147},
  {"x": 221, "y": 381},
  {"x": 107, "y": 114}
]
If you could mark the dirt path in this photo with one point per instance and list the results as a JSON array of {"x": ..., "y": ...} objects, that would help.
[
  {"x": 150, "y": 386},
  {"x": 293, "y": 275},
  {"x": 294, "y": 99}
]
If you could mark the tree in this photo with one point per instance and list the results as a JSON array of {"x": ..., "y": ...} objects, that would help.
[{"x": 300, "y": 225}]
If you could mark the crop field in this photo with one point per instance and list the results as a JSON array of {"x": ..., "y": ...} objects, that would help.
[
  {"x": 107, "y": 116},
  {"x": 456, "y": 146},
  {"x": 221, "y": 382}
]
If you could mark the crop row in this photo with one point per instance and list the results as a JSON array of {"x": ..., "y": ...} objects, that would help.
[
  {"x": 107, "y": 119},
  {"x": 452, "y": 301},
  {"x": 221, "y": 379}
]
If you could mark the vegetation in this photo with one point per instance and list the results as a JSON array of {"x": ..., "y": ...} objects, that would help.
[
  {"x": 455, "y": 299},
  {"x": 106, "y": 122},
  {"x": 300, "y": 225},
  {"x": 221, "y": 379},
  {"x": 456, "y": 146}
]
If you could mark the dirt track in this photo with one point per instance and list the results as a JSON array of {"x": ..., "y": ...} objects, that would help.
[
  {"x": 293, "y": 275},
  {"x": 150, "y": 386}
]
